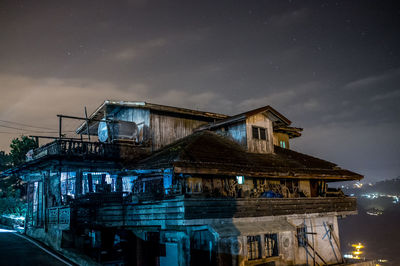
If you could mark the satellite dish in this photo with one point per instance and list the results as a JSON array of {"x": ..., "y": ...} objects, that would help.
[{"x": 102, "y": 131}]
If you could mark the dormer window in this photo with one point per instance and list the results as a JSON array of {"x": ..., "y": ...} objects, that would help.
[
  {"x": 282, "y": 144},
  {"x": 259, "y": 133}
]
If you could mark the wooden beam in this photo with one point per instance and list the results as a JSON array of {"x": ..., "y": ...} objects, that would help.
[{"x": 277, "y": 175}]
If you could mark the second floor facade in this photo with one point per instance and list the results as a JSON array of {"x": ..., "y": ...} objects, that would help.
[{"x": 155, "y": 125}]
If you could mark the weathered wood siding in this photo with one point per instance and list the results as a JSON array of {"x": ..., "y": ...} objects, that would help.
[
  {"x": 167, "y": 129},
  {"x": 278, "y": 137},
  {"x": 258, "y": 145},
  {"x": 179, "y": 211},
  {"x": 239, "y": 208},
  {"x": 236, "y": 132}
]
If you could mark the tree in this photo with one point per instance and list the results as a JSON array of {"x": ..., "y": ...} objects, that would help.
[
  {"x": 19, "y": 148},
  {"x": 5, "y": 162}
]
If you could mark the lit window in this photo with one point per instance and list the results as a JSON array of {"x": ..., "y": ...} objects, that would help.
[
  {"x": 240, "y": 179},
  {"x": 96, "y": 178},
  {"x": 282, "y": 144},
  {"x": 67, "y": 183},
  {"x": 127, "y": 183}
]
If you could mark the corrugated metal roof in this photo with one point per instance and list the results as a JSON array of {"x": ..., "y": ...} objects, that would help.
[{"x": 240, "y": 117}]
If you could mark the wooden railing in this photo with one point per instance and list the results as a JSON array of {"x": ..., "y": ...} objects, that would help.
[
  {"x": 77, "y": 148},
  {"x": 59, "y": 215}
]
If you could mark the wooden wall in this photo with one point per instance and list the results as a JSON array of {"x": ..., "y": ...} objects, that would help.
[
  {"x": 281, "y": 137},
  {"x": 257, "y": 145},
  {"x": 236, "y": 132},
  {"x": 167, "y": 129}
]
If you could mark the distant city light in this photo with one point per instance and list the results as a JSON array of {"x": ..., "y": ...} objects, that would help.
[{"x": 357, "y": 251}]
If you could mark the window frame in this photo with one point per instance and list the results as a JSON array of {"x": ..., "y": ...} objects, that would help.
[
  {"x": 254, "y": 247},
  {"x": 271, "y": 250},
  {"x": 302, "y": 235},
  {"x": 259, "y": 133}
]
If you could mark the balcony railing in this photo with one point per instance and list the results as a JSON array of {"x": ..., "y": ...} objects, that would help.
[
  {"x": 77, "y": 148},
  {"x": 59, "y": 216}
]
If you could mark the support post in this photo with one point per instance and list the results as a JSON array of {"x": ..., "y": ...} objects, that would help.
[
  {"x": 78, "y": 183},
  {"x": 60, "y": 127},
  {"x": 90, "y": 182},
  {"x": 119, "y": 184},
  {"x": 87, "y": 124}
]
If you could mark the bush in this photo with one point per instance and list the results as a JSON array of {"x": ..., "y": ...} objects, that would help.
[{"x": 12, "y": 205}]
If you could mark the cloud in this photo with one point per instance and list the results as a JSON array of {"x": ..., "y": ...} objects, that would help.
[
  {"x": 291, "y": 99},
  {"x": 38, "y": 101},
  {"x": 373, "y": 80},
  {"x": 352, "y": 147},
  {"x": 289, "y": 18},
  {"x": 386, "y": 96},
  {"x": 140, "y": 49}
]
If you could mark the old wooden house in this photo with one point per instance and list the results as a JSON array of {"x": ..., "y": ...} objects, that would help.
[{"x": 172, "y": 186}]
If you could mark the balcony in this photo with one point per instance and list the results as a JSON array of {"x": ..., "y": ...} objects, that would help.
[{"x": 85, "y": 149}]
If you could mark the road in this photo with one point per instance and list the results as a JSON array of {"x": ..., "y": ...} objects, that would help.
[{"x": 17, "y": 250}]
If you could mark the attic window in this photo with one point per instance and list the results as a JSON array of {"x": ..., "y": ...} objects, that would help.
[
  {"x": 255, "y": 133},
  {"x": 259, "y": 133},
  {"x": 282, "y": 144},
  {"x": 262, "y": 134}
]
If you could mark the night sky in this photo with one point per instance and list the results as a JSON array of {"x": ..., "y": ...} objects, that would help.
[{"x": 332, "y": 67}]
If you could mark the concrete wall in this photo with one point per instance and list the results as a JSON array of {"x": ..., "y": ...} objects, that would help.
[{"x": 319, "y": 239}]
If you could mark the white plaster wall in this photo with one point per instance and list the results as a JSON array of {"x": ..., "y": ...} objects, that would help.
[{"x": 319, "y": 240}]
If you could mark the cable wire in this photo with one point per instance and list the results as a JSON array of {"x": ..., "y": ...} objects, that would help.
[{"x": 27, "y": 125}]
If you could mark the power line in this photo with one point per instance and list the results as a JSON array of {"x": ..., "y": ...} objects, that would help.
[
  {"x": 27, "y": 125},
  {"x": 3, "y": 132},
  {"x": 32, "y": 130}
]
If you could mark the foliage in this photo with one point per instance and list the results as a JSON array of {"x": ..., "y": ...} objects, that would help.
[
  {"x": 5, "y": 161},
  {"x": 13, "y": 205},
  {"x": 12, "y": 196},
  {"x": 12, "y": 186},
  {"x": 12, "y": 189},
  {"x": 19, "y": 148}
]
